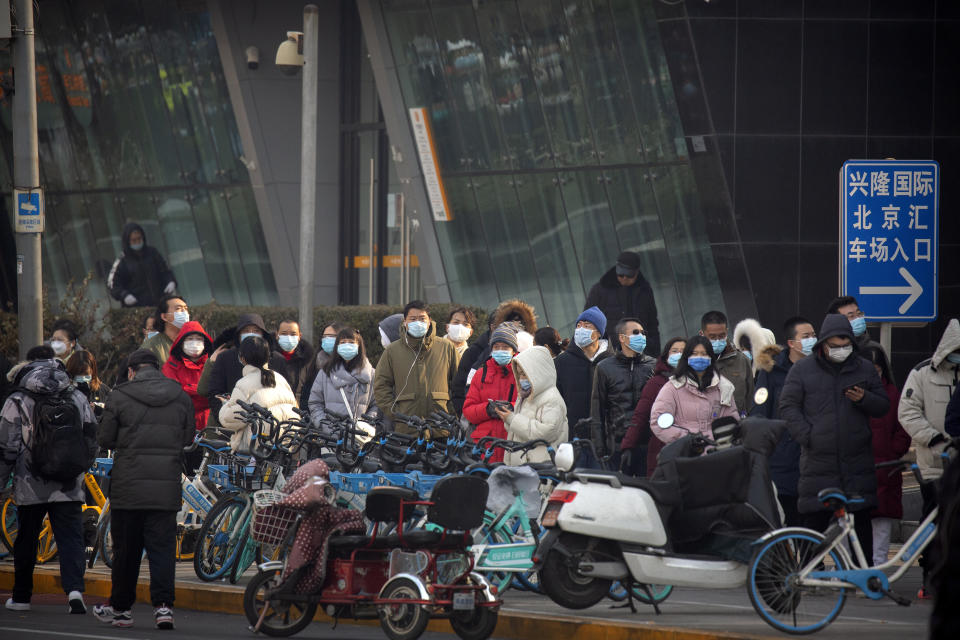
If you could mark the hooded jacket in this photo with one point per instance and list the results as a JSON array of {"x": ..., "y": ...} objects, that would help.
[
  {"x": 575, "y": 373},
  {"x": 279, "y": 399},
  {"x": 785, "y": 459},
  {"x": 923, "y": 402},
  {"x": 833, "y": 432},
  {"x": 467, "y": 360},
  {"x": 147, "y": 422},
  {"x": 491, "y": 382},
  {"x": 357, "y": 386},
  {"x": 737, "y": 368},
  {"x": 143, "y": 274},
  {"x": 16, "y": 432},
  {"x": 414, "y": 376},
  {"x": 187, "y": 373},
  {"x": 692, "y": 409},
  {"x": 617, "y": 386},
  {"x": 227, "y": 369},
  {"x": 763, "y": 344},
  {"x": 890, "y": 442},
  {"x": 635, "y": 301},
  {"x": 516, "y": 310},
  {"x": 542, "y": 413},
  {"x": 390, "y": 327}
]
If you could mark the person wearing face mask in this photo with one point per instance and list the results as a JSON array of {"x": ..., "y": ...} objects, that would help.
[
  {"x": 540, "y": 411},
  {"x": 847, "y": 306},
  {"x": 827, "y": 400},
  {"x": 328, "y": 341},
  {"x": 757, "y": 343},
  {"x": 799, "y": 336},
  {"x": 922, "y": 412},
  {"x": 465, "y": 370},
  {"x": 82, "y": 369},
  {"x": 64, "y": 339},
  {"x": 344, "y": 385},
  {"x": 299, "y": 355},
  {"x": 173, "y": 313},
  {"x": 638, "y": 437},
  {"x": 493, "y": 382},
  {"x": 577, "y": 364},
  {"x": 415, "y": 374},
  {"x": 624, "y": 292},
  {"x": 140, "y": 276},
  {"x": 695, "y": 395},
  {"x": 731, "y": 363},
  {"x": 148, "y": 328},
  {"x": 460, "y": 325},
  {"x": 188, "y": 355},
  {"x": 617, "y": 385}
]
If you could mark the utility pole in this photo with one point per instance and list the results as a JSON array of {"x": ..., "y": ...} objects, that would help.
[
  {"x": 308, "y": 165},
  {"x": 26, "y": 175}
]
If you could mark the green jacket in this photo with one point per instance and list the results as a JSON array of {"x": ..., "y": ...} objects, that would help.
[
  {"x": 415, "y": 375},
  {"x": 160, "y": 345}
]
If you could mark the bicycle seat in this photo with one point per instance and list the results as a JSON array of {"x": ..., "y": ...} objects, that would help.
[
  {"x": 543, "y": 468},
  {"x": 834, "y": 498}
]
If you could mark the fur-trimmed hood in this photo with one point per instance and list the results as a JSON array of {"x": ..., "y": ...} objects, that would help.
[
  {"x": 524, "y": 312},
  {"x": 765, "y": 358},
  {"x": 761, "y": 343}
]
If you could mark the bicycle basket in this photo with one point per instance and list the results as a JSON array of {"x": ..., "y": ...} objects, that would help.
[
  {"x": 270, "y": 522},
  {"x": 254, "y": 476}
]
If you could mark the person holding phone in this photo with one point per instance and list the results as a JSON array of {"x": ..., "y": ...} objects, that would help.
[
  {"x": 827, "y": 400},
  {"x": 493, "y": 387}
]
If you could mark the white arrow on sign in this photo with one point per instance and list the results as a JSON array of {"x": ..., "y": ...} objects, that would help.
[{"x": 913, "y": 290}]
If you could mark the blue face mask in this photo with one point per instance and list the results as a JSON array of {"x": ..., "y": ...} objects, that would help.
[
  {"x": 526, "y": 385},
  {"x": 806, "y": 345},
  {"x": 698, "y": 363},
  {"x": 718, "y": 346},
  {"x": 137, "y": 246},
  {"x": 748, "y": 354},
  {"x": 953, "y": 358},
  {"x": 417, "y": 329},
  {"x": 583, "y": 337},
  {"x": 180, "y": 318},
  {"x": 244, "y": 336},
  {"x": 82, "y": 379},
  {"x": 638, "y": 342},
  {"x": 501, "y": 357},
  {"x": 347, "y": 351},
  {"x": 288, "y": 343},
  {"x": 674, "y": 359},
  {"x": 859, "y": 326},
  {"x": 327, "y": 342},
  {"x": 150, "y": 334}
]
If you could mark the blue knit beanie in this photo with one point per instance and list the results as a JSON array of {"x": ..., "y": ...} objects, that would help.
[{"x": 594, "y": 316}]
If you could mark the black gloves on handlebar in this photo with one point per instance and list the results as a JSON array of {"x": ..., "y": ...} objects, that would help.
[{"x": 626, "y": 460}]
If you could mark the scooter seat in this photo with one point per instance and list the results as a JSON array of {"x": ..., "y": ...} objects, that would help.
[
  {"x": 663, "y": 493},
  {"x": 416, "y": 539},
  {"x": 544, "y": 468}
]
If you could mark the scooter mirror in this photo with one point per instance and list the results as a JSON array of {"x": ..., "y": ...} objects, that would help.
[
  {"x": 665, "y": 420},
  {"x": 761, "y": 395},
  {"x": 564, "y": 458}
]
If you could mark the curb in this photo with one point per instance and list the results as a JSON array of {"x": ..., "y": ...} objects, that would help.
[{"x": 527, "y": 626}]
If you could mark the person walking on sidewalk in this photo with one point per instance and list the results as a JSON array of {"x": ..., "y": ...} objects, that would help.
[
  {"x": 147, "y": 422},
  {"x": 37, "y": 386}
]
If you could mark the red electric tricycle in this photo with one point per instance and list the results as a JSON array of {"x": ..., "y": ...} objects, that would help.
[{"x": 404, "y": 578}]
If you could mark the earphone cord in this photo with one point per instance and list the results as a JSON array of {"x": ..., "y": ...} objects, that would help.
[{"x": 409, "y": 371}]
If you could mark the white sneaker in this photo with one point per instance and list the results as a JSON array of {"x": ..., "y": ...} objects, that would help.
[
  {"x": 107, "y": 614},
  {"x": 163, "y": 615},
  {"x": 17, "y": 606},
  {"x": 76, "y": 603}
]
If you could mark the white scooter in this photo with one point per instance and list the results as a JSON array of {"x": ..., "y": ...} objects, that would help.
[{"x": 604, "y": 526}]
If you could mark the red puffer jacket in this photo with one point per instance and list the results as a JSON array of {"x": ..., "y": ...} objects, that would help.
[
  {"x": 187, "y": 371},
  {"x": 890, "y": 442},
  {"x": 494, "y": 382}
]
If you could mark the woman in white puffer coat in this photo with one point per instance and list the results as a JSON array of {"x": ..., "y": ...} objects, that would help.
[{"x": 259, "y": 385}]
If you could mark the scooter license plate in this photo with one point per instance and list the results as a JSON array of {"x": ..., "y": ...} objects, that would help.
[{"x": 464, "y": 601}]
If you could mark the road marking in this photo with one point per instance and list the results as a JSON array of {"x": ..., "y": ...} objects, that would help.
[
  {"x": 63, "y": 633},
  {"x": 839, "y": 619}
]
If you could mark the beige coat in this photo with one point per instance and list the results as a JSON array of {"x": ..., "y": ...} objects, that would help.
[
  {"x": 542, "y": 414},
  {"x": 278, "y": 399}
]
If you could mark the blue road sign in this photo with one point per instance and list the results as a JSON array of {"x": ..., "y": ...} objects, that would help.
[
  {"x": 889, "y": 219},
  {"x": 28, "y": 205}
]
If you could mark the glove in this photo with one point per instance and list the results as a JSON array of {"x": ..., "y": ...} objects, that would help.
[
  {"x": 626, "y": 460},
  {"x": 170, "y": 288},
  {"x": 492, "y": 412},
  {"x": 129, "y": 300}
]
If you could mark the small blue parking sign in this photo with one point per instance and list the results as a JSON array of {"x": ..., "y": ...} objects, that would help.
[
  {"x": 889, "y": 237},
  {"x": 28, "y": 205}
]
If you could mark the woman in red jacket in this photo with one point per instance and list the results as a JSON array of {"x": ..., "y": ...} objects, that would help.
[
  {"x": 493, "y": 381},
  {"x": 187, "y": 356},
  {"x": 890, "y": 442},
  {"x": 638, "y": 434}
]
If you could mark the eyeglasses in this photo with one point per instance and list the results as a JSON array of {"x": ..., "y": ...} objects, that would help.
[{"x": 635, "y": 332}]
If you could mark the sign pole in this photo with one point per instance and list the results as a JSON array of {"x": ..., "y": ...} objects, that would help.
[
  {"x": 26, "y": 175},
  {"x": 308, "y": 167},
  {"x": 886, "y": 339}
]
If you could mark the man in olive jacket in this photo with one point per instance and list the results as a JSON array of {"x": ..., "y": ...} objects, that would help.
[
  {"x": 147, "y": 422},
  {"x": 827, "y": 400},
  {"x": 415, "y": 373}
]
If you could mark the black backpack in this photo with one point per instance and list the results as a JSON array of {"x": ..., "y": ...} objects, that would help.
[{"x": 60, "y": 449}]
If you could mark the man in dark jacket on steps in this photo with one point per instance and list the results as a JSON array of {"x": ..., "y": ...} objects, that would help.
[
  {"x": 147, "y": 422},
  {"x": 827, "y": 401},
  {"x": 624, "y": 292},
  {"x": 140, "y": 276}
]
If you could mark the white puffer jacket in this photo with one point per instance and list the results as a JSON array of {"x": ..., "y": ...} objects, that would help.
[
  {"x": 279, "y": 399},
  {"x": 543, "y": 413}
]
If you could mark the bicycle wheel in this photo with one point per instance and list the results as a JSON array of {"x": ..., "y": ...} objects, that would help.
[
  {"x": 248, "y": 553},
  {"x": 218, "y": 542},
  {"x": 773, "y": 589},
  {"x": 276, "y": 617},
  {"x": 106, "y": 541},
  {"x": 501, "y": 579},
  {"x": 8, "y": 520},
  {"x": 47, "y": 547}
]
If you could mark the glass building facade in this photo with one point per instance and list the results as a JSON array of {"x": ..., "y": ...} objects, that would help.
[
  {"x": 560, "y": 144},
  {"x": 136, "y": 125}
]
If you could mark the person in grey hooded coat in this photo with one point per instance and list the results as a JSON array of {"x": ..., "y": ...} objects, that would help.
[{"x": 345, "y": 384}]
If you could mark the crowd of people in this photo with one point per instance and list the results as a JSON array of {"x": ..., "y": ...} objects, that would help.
[{"x": 611, "y": 382}]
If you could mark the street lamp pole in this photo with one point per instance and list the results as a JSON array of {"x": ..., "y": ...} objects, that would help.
[
  {"x": 308, "y": 166},
  {"x": 26, "y": 175}
]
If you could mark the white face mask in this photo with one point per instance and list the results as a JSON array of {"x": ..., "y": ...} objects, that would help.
[
  {"x": 59, "y": 347},
  {"x": 458, "y": 332},
  {"x": 840, "y": 354},
  {"x": 193, "y": 348}
]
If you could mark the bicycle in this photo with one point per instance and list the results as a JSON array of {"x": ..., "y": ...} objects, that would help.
[{"x": 799, "y": 578}]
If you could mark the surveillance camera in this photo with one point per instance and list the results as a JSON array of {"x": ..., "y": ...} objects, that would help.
[
  {"x": 253, "y": 58},
  {"x": 290, "y": 53}
]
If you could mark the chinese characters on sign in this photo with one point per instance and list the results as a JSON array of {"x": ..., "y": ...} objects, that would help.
[
  {"x": 889, "y": 222},
  {"x": 426, "y": 149}
]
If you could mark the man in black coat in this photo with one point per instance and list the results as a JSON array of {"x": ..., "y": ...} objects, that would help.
[
  {"x": 140, "y": 276},
  {"x": 624, "y": 292},
  {"x": 227, "y": 368},
  {"x": 576, "y": 366},
  {"x": 147, "y": 422},
  {"x": 827, "y": 401},
  {"x": 298, "y": 354}
]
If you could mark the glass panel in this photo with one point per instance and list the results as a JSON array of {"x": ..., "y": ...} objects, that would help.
[
  {"x": 183, "y": 252},
  {"x": 253, "y": 248},
  {"x": 591, "y": 222}
]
